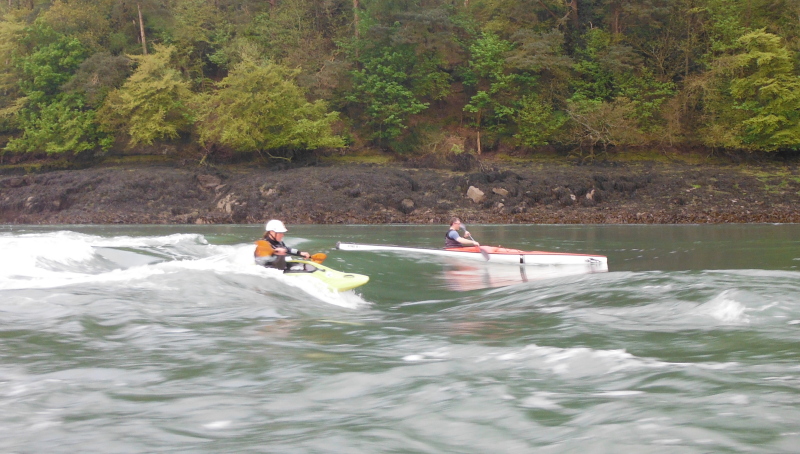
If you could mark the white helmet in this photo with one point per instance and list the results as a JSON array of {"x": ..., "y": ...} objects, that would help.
[{"x": 276, "y": 226}]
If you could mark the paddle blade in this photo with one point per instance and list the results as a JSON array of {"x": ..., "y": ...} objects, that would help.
[
  {"x": 483, "y": 253},
  {"x": 319, "y": 257},
  {"x": 263, "y": 249}
]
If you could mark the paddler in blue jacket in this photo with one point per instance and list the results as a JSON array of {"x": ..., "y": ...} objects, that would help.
[
  {"x": 271, "y": 251},
  {"x": 453, "y": 239}
]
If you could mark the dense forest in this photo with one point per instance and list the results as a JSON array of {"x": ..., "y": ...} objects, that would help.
[{"x": 222, "y": 78}]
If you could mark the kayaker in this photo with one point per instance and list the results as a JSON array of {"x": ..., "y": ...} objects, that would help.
[
  {"x": 453, "y": 239},
  {"x": 271, "y": 251}
]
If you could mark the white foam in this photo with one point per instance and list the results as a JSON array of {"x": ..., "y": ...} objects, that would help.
[
  {"x": 217, "y": 425},
  {"x": 540, "y": 400},
  {"x": 35, "y": 255},
  {"x": 582, "y": 361},
  {"x": 574, "y": 361},
  {"x": 21, "y": 254},
  {"x": 578, "y": 361},
  {"x": 57, "y": 259},
  {"x": 725, "y": 308}
]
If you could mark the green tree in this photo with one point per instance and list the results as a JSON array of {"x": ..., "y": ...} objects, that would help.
[
  {"x": 60, "y": 126},
  {"x": 488, "y": 74},
  {"x": 259, "y": 107},
  {"x": 300, "y": 33},
  {"x": 383, "y": 88},
  {"x": 757, "y": 106},
  {"x": 51, "y": 120},
  {"x": 604, "y": 124},
  {"x": 610, "y": 78},
  {"x": 537, "y": 122},
  {"x": 11, "y": 96},
  {"x": 404, "y": 55},
  {"x": 194, "y": 32},
  {"x": 153, "y": 104},
  {"x": 727, "y": 21},
  {"x": 599, "y": 64},
  {"x": 543, "y": 54},
  {"x": 510, "y": 16},
  {"x": 85, "y": 20},
  {"x": 51, "y": 62},
  {"x": 98, "y": 75}
]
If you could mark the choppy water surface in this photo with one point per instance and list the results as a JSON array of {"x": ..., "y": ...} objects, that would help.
[{"x": 168, "y": 339}]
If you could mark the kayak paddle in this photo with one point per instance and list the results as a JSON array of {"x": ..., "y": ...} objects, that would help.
[{"x": 469, "y": 235}]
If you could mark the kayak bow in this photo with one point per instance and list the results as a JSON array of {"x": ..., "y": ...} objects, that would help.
[{"x": 335, "y": 280}]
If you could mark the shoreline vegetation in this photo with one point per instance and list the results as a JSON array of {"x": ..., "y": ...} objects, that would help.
[
  {"x": 223, "y": 80},
  {"x": 371, "y": 189},
  {"x": 356, "y": 111}
]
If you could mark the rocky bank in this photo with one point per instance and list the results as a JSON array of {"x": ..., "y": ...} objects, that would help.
[{"x": 551, "y": 193}]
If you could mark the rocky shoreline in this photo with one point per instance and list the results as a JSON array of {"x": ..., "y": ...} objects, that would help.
[{"x": 501, "y": 193}]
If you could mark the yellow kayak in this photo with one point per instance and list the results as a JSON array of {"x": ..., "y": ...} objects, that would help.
[{"x": 335, "y": 280}]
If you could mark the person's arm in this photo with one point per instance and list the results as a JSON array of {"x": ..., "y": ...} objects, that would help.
[
  {"x": 467, "y": 242},
  {"x": 463, "y": 241},
  {"x": 298, "y": 252},
  {"x": 280, "y": 248}
]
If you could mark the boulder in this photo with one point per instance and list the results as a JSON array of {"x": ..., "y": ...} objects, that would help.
[
  {"x": 266, "y": 192},
  {"x": 208, "y": 181},
  {"x": 407, "y": 206},
  {"x": 16, "y": 182},
  {"x": 475, "y": 194},
  {"x": 501, "y": 192},
  {"x": 226, "y": 203}
]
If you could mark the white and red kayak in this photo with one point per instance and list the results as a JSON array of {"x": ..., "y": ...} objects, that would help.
[{"x": 499, "y": 255}]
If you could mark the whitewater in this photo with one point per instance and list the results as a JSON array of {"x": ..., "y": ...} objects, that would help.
[{"x": 120, "y": 339}]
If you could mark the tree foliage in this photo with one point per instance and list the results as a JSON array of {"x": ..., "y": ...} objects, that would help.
[
  {"x": 153, "y": 104},
  {"x": 570, "y": 74},
  {"x": 11, "y": 28},
  {"x": 51, "y": 120},
  {"x": 383, "y": 90},
  {"x": 488, "y": 75},
  {"x": 258, "y": 107},
  {"x": 60, "y": 126},
  {"x": 757, "y": 102}
]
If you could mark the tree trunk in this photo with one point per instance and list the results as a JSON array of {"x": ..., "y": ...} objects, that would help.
[
  {"x": 688, "y": 49},
  {"x": 548, "y": 10},
  {"x": 617, "y": 28},
  {"x": 573, "y": 13},
  {"x": 141, "y": 28},
  {"x": 749, "y": 14},
  {"x": 478, "y": 142},
  {"x": 355, "y": 17}
]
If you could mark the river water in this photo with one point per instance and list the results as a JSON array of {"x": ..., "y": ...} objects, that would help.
[{"x": 152, "y": 339}]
